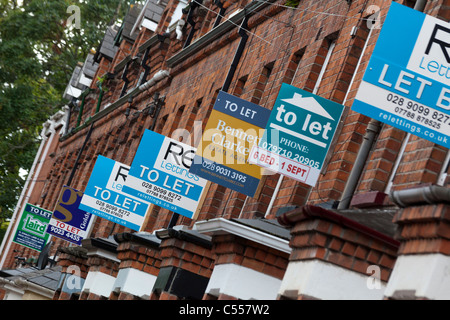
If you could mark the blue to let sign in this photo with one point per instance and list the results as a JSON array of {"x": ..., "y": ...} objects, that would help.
[
  {"x": 104, "y": 196},
  {"x": 406, "y": 83}
]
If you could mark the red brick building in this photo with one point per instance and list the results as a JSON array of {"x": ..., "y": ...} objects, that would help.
[{"x": 345, "y": 238}]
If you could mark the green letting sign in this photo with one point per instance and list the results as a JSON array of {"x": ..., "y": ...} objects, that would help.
[{"x": 31, "y": 231}]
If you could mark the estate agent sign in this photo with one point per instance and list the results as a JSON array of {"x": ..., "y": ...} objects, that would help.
[
  {"x": 160, "y": 175},
  {"x": 407, "y": 81},
  {"x": 234, "y": 126},
  {"x": 31, "y": 231},
  {"x": 298, "y": 134}
]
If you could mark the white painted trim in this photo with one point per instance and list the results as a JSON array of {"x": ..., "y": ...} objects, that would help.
[
  {"x": 426, "y": 274},
  {"x": 137, "y": 24},
  {"x": 223, "y": 226},
  {"x": 103, "y": 254},
  {"x": 443, "y": 174},
  {"x": 326, "y": 281},
  {"x": 98, "y": 283},
  {"x": 242, "y": 283},
  {"x": 85, "y": 80},
  {"x": 47, "y": 134},
  {"x": 149, "y": 24},
  {"x": 135, "y": 282},
  {"x": 13, "y": 293}
]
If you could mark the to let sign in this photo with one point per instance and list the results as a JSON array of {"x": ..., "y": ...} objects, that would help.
[
  {"x": 68, "y": 221},
  {"x": 234, "y": 126},
  {"x": 31, "y": 231},
  {"x": 160, "y": 175},
  {"x": 104, "y": 195},
  {"x": 406, "y": 83},
  {"x": 298, "y": 134}
]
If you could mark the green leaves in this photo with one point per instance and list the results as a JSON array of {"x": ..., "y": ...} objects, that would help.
[{"x": 38, "y": 53}]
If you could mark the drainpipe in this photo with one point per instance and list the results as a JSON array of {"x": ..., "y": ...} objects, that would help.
[
  {"x": 420, "y": 5},
  {"x": 144, "y": 66},
  {"x": 237, "y": 56},
  {"x": 125, "y": 79},
  {"x": 83, "y": 99},
  {"x": 424, "y": 195},
  {"x": 373, "y": 128},
  {"x": 371, "y": 132},
  {"x": 221, "y": 13},
  {"x": 100, "y": 97},
  {"x": 194, "y": 4}
]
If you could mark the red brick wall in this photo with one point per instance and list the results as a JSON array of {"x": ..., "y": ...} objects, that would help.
[
  {"x": 233, "y": 249},
  {"x": 424, "y": 229},
  {"x": 342, "y": 246}
]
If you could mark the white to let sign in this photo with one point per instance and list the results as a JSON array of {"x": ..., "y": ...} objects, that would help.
[
  {"x": 406, "y": 83},
  {"x": 160, "y": 175}
]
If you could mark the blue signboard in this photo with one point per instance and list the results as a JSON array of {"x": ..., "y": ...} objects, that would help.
[
  {"x": 406, "y": 83},
  {"x": 234, "y": 126},
  {"x": 160, "y": 175},
  {"x": 68, "y": 221},
  {"x": 298, "y": 134},
  {"x": 104, "y": 195}
]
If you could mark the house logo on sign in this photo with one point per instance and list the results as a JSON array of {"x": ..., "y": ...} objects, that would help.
[{"x": 312, "y": 131}]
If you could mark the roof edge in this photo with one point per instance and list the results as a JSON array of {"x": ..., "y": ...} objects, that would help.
[{"x": 310, "y": 211}]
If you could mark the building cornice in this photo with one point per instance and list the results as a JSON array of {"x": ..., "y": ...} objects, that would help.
[
  {"x": 223, "y": 226},
  {"x": 249, "y": 10}
]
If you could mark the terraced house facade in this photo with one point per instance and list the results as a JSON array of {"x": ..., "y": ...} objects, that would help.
[{"x": 376, "y": 216}]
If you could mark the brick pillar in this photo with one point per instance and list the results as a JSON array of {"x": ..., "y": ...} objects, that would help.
[
  {"x": 73, "y": 261},
  {"x": 337, "y": 257},
  {"x": 139, "y": 266},
  {"x": 103, "y": 268},
  {"x": 421, "y": 269},
  {"x": 250, "y": 262},
  {"x": 186, "y": 265}
]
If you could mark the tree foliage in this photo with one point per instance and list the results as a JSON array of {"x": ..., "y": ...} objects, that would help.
[{"x": 38, "y": 53}]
